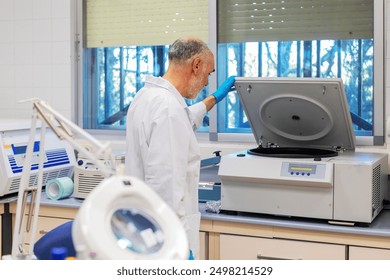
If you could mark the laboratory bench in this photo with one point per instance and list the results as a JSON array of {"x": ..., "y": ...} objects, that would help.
[
  {"x": 243, "y": 235},
  {"x": 255, "y": 236}
]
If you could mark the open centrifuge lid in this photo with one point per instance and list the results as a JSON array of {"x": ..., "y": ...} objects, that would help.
[{"x": 297, "y": 112}]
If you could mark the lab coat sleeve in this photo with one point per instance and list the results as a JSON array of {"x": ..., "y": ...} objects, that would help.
[
  {"x": 198, "y": 112},
  {"x": 167, "y": 160}
]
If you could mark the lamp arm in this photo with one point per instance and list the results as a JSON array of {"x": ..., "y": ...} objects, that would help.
[
  {"x": 65, "y": 130},
  {"x": 59, "y": 124}
]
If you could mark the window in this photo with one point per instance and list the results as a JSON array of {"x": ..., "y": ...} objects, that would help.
[
  {"x": 118, "y": 73},
  {"x": 272, "y": 38},
  {"x": 126, "y": 41},
  {"x": 326, "y": 39},
  {"x": 351, "y": 60}
]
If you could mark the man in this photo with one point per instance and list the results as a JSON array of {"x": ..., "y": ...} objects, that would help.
[{"x": 161, "y": 145}]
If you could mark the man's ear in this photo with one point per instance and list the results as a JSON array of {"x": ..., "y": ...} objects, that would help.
[{"x": 196, "y": 65}]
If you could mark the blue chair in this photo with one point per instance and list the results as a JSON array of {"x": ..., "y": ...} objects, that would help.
[{"x": 60, "y": 236}]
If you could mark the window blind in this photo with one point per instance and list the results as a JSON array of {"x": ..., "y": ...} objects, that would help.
[
  {"x": 112, "y": 23},
  {"x": 278, "y": 20}
]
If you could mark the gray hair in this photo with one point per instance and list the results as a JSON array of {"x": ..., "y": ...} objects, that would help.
[{"x": 185, "y": 48}]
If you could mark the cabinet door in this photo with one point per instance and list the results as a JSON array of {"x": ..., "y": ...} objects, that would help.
[
  {"x": 44, "y": 225},
  {"x": 203, "y": 248},
  {"x": 366, "y": 253},
  {"x": 235, "y": 247}
]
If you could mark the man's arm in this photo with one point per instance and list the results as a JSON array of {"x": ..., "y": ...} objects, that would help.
[
  {"x": 209, "y": 101},
  {"x": 220, "y": 94}
]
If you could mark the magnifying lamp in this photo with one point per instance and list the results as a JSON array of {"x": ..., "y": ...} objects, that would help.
[{"x": 123, "y": 218}]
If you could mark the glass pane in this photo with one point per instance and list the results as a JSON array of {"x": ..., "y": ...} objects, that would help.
[
  {"x": 351, "y": 60},
  {"x": 120, "y": 72},
  {"x": 137, "y": 231}
]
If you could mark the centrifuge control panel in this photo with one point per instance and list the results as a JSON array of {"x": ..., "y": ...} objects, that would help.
[{"x": 303, "y": 170}]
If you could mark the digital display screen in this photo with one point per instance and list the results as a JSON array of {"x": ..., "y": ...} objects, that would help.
[{"x": 302, "y": 168}]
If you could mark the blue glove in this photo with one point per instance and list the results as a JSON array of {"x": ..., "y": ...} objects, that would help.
[{"x": 224, "y": 89}]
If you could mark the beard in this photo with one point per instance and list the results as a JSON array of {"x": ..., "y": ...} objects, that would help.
[
  {"x": 193, "y": 89},
  {"x": 195, "y": 86}
]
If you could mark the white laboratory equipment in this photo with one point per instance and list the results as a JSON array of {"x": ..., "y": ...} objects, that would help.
[
  {"x": 87, "y": 175},
  {"x": 305, "y": 164},
  {"x": 59, "y": 157}
]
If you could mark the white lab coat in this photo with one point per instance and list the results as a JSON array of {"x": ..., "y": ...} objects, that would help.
[{"x": 163, "y": 151}]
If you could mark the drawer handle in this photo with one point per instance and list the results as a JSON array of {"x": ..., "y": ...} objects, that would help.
[
  {"x": 261, "y": 257},
  {"x": 43, "y": 231}
]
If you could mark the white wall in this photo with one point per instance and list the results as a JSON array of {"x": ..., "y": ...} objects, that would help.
[
  {"x": 34, "y": 55},
  {"x": 35, "y": 61}
]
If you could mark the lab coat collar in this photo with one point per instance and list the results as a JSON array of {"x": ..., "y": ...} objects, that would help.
[{"x": 162, "y": 83}]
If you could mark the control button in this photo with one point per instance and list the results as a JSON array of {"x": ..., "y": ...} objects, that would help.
[
  {"x": 241, "y": 155},
  {"x": 297, "y": 173},
  {"x": 308, "y": 174},
  {"x": 292, "y": 173}
]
